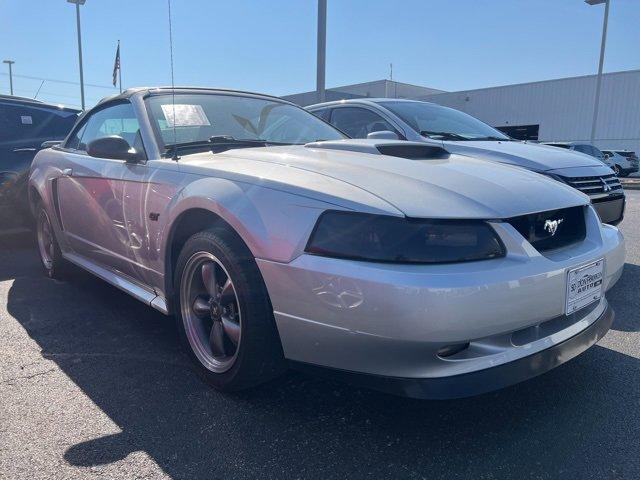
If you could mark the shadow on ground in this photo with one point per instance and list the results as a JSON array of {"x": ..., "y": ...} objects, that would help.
[{"x": 578, "y": 421}]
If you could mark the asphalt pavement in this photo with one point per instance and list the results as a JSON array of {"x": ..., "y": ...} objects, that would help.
[{"x": 93, "y": 385}]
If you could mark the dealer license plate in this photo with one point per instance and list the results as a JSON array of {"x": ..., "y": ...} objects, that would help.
[{"x": 584, "y": 286}]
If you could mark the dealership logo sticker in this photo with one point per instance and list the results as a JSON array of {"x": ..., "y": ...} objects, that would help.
[{"x": 551, "y": 226}]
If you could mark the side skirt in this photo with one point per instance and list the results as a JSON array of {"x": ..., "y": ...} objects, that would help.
[{"x": 137, "y": 291}]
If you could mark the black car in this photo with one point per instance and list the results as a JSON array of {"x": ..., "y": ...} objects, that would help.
[{"x": 25, "y": 124}]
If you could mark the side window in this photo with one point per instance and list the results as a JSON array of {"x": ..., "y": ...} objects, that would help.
[
  {"x": 115, "y": 120},
  {"x": 359, "y": 122},
  {"x": 597, "y": 152},
  {"x": 583, "y": 149},
  {"x": 59, "y": 124},
  {"x": 323, "y": 113},
  {"x": 74, "y": 141},
  {"x": 34, "y": 123}
]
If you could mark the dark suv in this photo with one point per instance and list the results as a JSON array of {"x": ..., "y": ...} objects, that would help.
[{"x": 25, "y": 125}]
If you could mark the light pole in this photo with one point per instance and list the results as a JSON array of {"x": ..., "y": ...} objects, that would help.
[
  {"x": 10, "y": 62},
  {"x": 322, "y": 50},
  {"x": 596, "y": 103},
  {"x": 78, "y": 3}
]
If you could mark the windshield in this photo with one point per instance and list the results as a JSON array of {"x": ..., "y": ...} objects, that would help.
[
  {"x": 200, "y": 116},
  {"x": 442, "y": 122}
]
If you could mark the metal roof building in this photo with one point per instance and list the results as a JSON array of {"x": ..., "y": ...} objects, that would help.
[
  {"x": 377, "y": 88},
  {"x": 551, "y": 110}
]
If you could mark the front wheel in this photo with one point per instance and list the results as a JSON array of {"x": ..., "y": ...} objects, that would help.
[{"x": 225, "y": 318}]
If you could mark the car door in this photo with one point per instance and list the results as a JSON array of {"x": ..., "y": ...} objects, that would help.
[
  {"x": 92, "y": 191},
  {"x": 10, "y": 161}
]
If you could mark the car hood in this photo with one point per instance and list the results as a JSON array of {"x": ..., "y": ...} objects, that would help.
[
  {"x": 531, "y": 156},
  {"x": 447, "y": 186}
]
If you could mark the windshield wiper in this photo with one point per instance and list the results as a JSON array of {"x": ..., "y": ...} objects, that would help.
[
  {"x": 444, "y": 135},
  {"x": 220, "y": 143},
  {"x": 491, "y": 137}
]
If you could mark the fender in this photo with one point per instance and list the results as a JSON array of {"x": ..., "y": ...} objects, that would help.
[{"x": 257, "y": 214}]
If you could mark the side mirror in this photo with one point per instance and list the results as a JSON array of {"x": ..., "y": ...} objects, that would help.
[
  {"x": 113, "y": 147},
  {"x": 383, "y": 135},
  {"x": 50, "y": 143}
]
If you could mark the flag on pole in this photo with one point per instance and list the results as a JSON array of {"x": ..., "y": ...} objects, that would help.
[{"x": 116, "y": 65}]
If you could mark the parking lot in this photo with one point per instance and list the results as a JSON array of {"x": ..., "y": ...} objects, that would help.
[{"x": 93, "y": 383}]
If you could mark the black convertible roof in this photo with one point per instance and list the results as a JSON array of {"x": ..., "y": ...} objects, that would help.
[{"x": 128, "y": 93}]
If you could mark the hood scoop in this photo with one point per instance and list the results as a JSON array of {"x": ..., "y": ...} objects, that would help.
[{"x": 392, "y": 148}]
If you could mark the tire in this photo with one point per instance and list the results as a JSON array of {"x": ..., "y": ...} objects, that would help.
[
  {"x": 50, "y": 255},
  {"x": 230, "y": 335},
  {"x": 616, "y": 169}
]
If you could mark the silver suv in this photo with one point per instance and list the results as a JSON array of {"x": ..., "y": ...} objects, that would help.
[{"x": 623, "y": 162}]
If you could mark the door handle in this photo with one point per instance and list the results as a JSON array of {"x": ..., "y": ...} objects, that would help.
[
  {"x": 24, "y": 149},
  {"x": 67, "y": 172}
]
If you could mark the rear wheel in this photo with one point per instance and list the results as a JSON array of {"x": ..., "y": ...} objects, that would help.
[
  {"x": 50, "y": 254},
  {"x": 225, "y": 317}
]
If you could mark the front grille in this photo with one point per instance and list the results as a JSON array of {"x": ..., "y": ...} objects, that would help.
[
  {"x": 552, "y": 229},
  {"x": 596, "y": 186}
]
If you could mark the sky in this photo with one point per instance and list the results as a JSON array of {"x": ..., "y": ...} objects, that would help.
[{"x": 270, "y": 46}]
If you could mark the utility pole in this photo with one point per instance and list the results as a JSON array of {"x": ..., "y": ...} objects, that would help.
[
  {"x": 78, "y": 3},
  {"x": 322, "y": 50},
  {"x": 596, "y": 104},
  {"x": 10, "y": 62}
]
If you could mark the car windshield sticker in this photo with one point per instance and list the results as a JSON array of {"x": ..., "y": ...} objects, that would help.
[
  {"x": 185, "y": 115},
  {"x": 26, "y": 119}
]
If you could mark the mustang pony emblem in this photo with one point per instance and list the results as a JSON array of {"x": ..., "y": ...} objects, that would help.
[
  {"x": 605, "y": 186},
  {"x": 551, "y": 226}
]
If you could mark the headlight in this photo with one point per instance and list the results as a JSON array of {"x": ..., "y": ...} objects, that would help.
[{"x": 381, "y": 238}]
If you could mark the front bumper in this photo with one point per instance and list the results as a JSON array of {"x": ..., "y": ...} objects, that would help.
[
  {"x": 481, "y": 381},
  {"x": 391, "y": 320}
]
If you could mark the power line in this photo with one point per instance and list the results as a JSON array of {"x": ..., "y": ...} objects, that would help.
[
  {"x": 68, "y": 82},
  {"x": 29, "y": 93}
]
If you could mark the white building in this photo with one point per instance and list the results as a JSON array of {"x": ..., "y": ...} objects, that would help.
[{"x": 551, "y": 110}]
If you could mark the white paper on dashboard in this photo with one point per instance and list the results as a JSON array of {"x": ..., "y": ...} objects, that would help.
[{"x": 185, "y": 115}]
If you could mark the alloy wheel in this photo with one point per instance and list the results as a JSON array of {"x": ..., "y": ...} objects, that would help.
[
  {"x": 210, "y": 312},
  {"x": 46, "y": 243}
]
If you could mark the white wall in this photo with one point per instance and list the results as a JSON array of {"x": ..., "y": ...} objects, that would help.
[{"x": 563, "y": 108}]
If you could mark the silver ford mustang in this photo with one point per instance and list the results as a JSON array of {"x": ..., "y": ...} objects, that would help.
[{"x": 276, "y": 241}]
